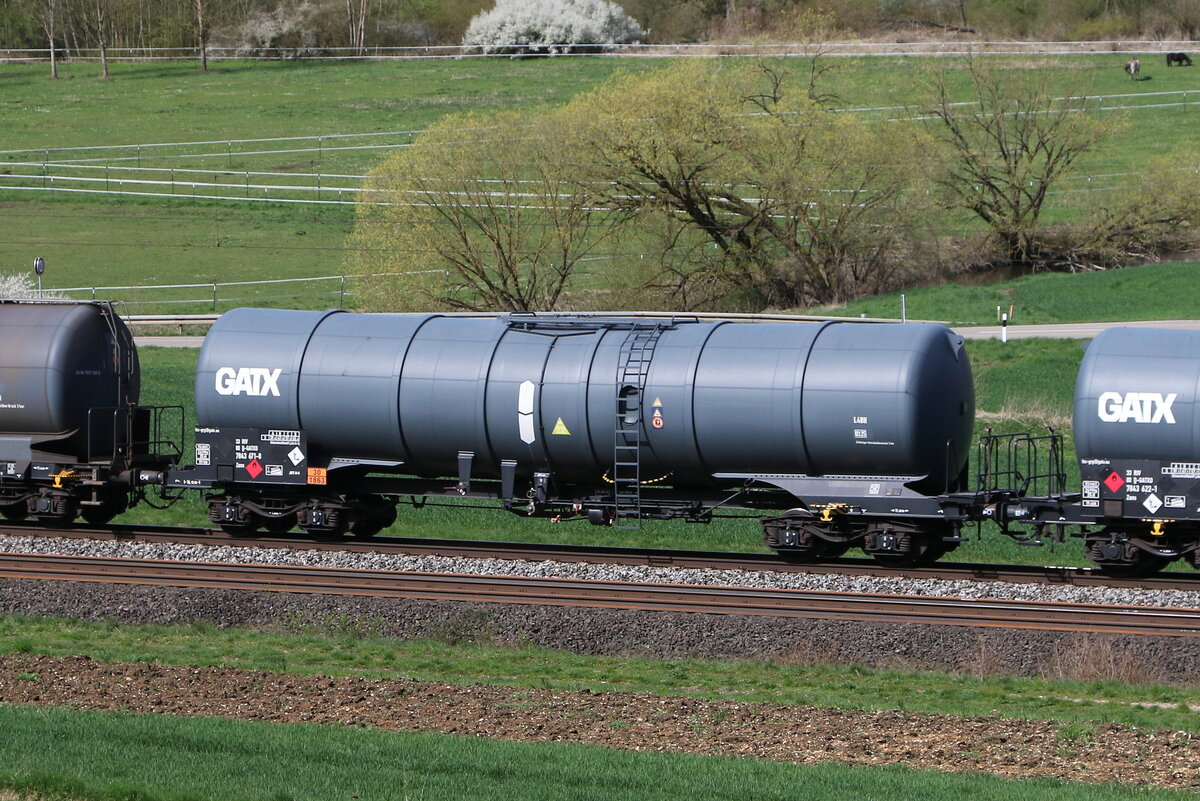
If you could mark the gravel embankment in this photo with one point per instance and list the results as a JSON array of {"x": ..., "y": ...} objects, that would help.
[
  {"x": 604, "y": 631},
  {"x": 601, "y": 572}
]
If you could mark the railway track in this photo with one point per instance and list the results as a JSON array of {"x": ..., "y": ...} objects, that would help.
[
  {"x": 655, "y": 557},
  {"x": 1072, "y": 617}
]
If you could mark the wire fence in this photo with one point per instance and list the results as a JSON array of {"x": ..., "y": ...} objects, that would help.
[
  {"x": 959, "y": 47},
  {"x": 227, "y": 185},
  {"x": 321, "y": 292}
]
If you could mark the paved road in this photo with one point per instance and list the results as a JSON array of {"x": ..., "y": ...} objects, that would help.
[
  {"x": 168, "y": 342},
  {"x": 1067, "y": 330},
  {"x": 1058, "y": 331}
]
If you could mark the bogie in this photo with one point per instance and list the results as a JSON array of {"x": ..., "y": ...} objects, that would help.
[{"x": 1116, "y": 553}]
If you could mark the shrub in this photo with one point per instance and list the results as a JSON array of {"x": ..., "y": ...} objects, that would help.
[
  {"x": 291, "y": 29},
  {"x": 1154, "y": 215},
  {"x": 20, "y": 286},
  {"x": 550, "y": 26}
]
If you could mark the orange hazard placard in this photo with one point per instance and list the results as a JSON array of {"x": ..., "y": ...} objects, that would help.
[{"x": 317, "y": 475}]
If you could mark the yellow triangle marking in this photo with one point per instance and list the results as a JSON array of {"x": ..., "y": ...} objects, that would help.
[
  {"x": 560, "y": 428},
  {"x": 657, "y": 402}
]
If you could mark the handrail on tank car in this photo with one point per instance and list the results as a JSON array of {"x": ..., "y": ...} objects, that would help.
[
  {"x": 123, "y": 446},
  {"x": 1014, "y": 465},
  {"x": 573, "y": 325}
]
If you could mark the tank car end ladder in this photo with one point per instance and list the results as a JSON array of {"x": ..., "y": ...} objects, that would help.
[{"x": 633, "y": 365}]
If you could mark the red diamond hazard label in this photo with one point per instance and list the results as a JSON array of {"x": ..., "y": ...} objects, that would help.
[
  {"x": 1114, "y": 481},
  {"x": 254, "y": 469}
]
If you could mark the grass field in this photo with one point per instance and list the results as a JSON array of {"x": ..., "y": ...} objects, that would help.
[
  {"x": 1147, "y": 292},
  {"x": 86, "y": 756},
  {"x": 90, "y": 240}
]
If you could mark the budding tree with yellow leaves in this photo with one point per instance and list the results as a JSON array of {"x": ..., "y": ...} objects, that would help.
[
  {"x": 483, "y": 212},
  {"x": 703, "y": 185},
  {"x": 770, "y": 197}
]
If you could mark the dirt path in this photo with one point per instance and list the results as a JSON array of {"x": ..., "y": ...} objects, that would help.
[{"x": 642, "y": 722}]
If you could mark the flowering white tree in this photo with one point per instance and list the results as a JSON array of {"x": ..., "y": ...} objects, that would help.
[
  {"x": 550, "y": 26},
  {"x": 18, "y": 286}
]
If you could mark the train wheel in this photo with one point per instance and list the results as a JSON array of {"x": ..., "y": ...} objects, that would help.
[
  {"x": 835, "y": 549},
  {"x": 376, "y": 520},
  {"x": 99, "y": 516},
  {"x": 245, "y": 528},
  {"x": 105, "y": 512},
  {"x": 15, "y": 511},
  {"x": 281, "y": 524}
]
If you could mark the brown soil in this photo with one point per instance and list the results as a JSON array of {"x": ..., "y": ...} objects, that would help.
[{"x": 635, "y": 721}]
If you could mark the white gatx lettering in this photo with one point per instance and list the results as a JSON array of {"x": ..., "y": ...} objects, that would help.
[
  {"x": 1137, "y": 407},
  {"x": 248, "y": 381}
]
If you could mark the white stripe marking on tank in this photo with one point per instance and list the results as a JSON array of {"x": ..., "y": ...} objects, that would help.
[{"x": 525, "y": 412}]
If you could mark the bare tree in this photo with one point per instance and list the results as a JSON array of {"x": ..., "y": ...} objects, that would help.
[
  {"x": 483, "y": 213},
  {"x": 1007, "y": 144},
  {"x": 98, "y": 21},
  {"x": 49, "y": 19},
  {"x": 356, "y": 17},
  {"x": 201, "y": 34}
]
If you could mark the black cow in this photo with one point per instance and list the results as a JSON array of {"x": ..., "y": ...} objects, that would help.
[{"x": 1181, "y": 59}]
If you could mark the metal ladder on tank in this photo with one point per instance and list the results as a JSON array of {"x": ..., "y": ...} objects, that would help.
[{"x": 633, "y": 364}]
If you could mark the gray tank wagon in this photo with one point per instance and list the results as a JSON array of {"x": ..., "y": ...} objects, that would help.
[
  {"x": 852, "y": 434},
  {"x": 1137, "y": 436},
  {"x": 840, "y": 434},
  {"x": 73, "y": 438}
]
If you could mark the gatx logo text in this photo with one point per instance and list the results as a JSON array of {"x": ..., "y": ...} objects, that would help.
[
  {"x": 249, "y": 381},
  {"x": 1137, "y": 407}
]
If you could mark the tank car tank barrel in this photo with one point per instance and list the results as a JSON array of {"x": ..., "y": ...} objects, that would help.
[{"x": 709, "y": 398}]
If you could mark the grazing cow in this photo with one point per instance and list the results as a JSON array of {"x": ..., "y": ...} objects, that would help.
[
  {"x": 1134, "y": 68},
  {"x": 1182, "y": 59}
]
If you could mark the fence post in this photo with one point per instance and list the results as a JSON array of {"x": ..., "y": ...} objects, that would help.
[
  {"x": 342, "y": 294},
  {"x": 229, "y": 152},
  {"x": 214, "y": 296}
]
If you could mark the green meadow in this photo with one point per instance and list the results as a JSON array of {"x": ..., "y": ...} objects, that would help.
[
  {"x": 89, "y": 756},
  {"x": 69, "y": 754},
  {"x": 1145, "y": 292},
  {"x": 307, "y": 108}
]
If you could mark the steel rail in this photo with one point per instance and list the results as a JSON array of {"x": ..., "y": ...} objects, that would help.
[
  {"x": 1066, "y": 617},
  {"x": 598, "y": 554}
]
